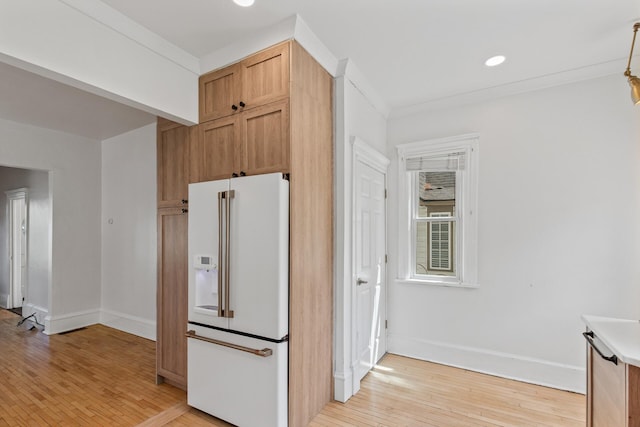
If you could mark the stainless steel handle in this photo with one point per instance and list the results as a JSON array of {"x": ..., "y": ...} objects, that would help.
[
  {"x": 361, "y": 282},
  {"x": 227, "y": 303},
  {"x": 589, "y": 337},
  {"x": 265, "y": 352},
  {"x": 220, "y": 269}
]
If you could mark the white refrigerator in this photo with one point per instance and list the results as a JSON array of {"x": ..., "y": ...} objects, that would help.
[{"x": 237, "y": 349}]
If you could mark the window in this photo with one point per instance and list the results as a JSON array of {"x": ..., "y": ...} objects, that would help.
[
  {"x": 437, "y": 188},
  {"x": 439, "y": 240}
]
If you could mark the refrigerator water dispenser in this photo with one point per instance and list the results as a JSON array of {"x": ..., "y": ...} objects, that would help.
[{"x": 206, "y": 286}]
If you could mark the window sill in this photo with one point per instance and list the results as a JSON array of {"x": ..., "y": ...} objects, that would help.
[{"x": 448, "y": 284}]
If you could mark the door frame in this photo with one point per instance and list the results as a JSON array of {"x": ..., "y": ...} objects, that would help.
[
  {"x": 17, "y": 194},
  {"x": 363, "y": 152}
]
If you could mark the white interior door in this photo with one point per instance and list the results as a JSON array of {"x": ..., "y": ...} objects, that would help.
[
  {"x": 370, "y": 267},
  {"x": 17, "y": 246}
]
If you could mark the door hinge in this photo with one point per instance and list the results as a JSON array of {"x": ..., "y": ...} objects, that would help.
[
  {"x": 386, "y": 258},
  {"x": 385, "y": 193},
  {"x": 386, "y": 324}
]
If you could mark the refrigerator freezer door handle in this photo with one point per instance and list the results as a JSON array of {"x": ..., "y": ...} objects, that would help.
[
  {"x": 220, "y": 265},
  {"x": 265, "y": 352},
  {"x": 227, "y": 304}
]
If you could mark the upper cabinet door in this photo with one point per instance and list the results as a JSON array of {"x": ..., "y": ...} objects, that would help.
[
  {"x": 219, "y": 148},
  {"x": 265, "y": 139},
  {"x": 265, "y": 76},
  {"x": 257, "y": 80},
  {"x": 173, "y": 163},
  {"x": 219, "y": 93}
]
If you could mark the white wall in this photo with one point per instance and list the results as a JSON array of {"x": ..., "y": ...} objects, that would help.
[
  {"x": 36, "y": 297},
  {"x": 74, "y": 194},
  {"x": 559, "y": 233},
  {"x": 355, "y": 116},
  {"x": 129, "y": 247}
]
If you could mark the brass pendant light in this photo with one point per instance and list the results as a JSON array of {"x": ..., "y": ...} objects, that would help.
[{"x": 634, "y": 82}]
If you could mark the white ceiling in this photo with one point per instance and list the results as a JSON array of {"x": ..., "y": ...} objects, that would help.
[
  {"x": 29, "y": 98},
  {"x": 413, "y": 52}
]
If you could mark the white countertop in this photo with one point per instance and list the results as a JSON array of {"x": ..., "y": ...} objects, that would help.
[{"x": 621, "y": 336}]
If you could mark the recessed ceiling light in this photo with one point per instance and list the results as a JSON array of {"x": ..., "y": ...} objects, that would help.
[
  {"x": 243, "y": 3},
  {"x": 494, "y": 60}
]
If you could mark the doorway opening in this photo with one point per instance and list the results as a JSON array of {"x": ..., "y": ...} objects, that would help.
[{"x": 25, "y": 241}]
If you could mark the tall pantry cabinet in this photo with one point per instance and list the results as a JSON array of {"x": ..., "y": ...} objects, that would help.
[
  {"x": 270, "y": 112},
  {"x": 173, "y": 163}
]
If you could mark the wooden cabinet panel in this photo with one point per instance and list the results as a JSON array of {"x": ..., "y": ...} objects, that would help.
[
  {"x": 172, "y": 296},
  {"x": 173, "y": 163},
  {"x": 607, "y": 392},
  {"x": 613, "y": 392},
  {"x": 219, "y": 148},
  {"x": 265, "y": 76},
  {"x": 218, "y": 92},
  {"x": 633, "y": 395},
  {"x": 265, "y": 139},
  {"x": 311, "y": 240}
]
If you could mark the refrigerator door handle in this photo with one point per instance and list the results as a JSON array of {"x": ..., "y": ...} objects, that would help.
[
  {"x": 220, "y": 268},
  {"x": 227, "y": 304},
  {"x": 265, "y": 352}
]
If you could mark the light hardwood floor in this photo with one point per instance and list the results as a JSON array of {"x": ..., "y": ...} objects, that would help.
[{"x": 100, "y": 376}]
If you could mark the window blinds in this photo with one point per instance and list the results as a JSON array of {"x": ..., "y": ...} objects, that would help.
[{"x": 439, "y": 163}]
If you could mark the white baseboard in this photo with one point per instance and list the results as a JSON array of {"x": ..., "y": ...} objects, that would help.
[
  {"x": 70, "y": 321},
  {"x": 342, "y": 386},
  {"x": 4, "y": 300},
  {"x": 534, "y": 371},
  {"x": 131, "y": 324},
  {"x": 41, "y": 313}
]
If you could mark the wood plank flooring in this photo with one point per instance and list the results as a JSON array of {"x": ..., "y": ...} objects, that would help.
[
  {"x": 95, "y": 376},
  {"x": 100, "y": 376},
  {"x": 406, "y": 392}
]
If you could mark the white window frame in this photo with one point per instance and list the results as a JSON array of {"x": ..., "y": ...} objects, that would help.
[{"x": 466, "y": 258}]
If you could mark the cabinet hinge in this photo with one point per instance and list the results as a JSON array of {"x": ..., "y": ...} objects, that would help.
[
  {"x": 386, "y": 258},
  {"x": 386, "y": 324},
  {"x": 385, "y": 193}
]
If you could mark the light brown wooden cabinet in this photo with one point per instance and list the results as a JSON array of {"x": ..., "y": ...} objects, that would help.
[
  {"x": 173, "y": 157},
  {"x": 251, "y": 143},
  {"x": 257, "y": 80},
  {"x": 175, "y": 164},
  {"x": 218, "y": 148},
  {"x": 171, "y": 343},
  {"x": 613, "y": 392}
]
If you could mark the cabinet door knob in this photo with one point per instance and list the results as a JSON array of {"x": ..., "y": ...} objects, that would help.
[
  {"x": 234, "y": 107},
  {"x": 234, "y": 175},
  {"x": 242, "y": 104},
  {"x": 185, "y": 210},
  {"x": 185, "y": 201},
  {"x": 242, "y": 173}
]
